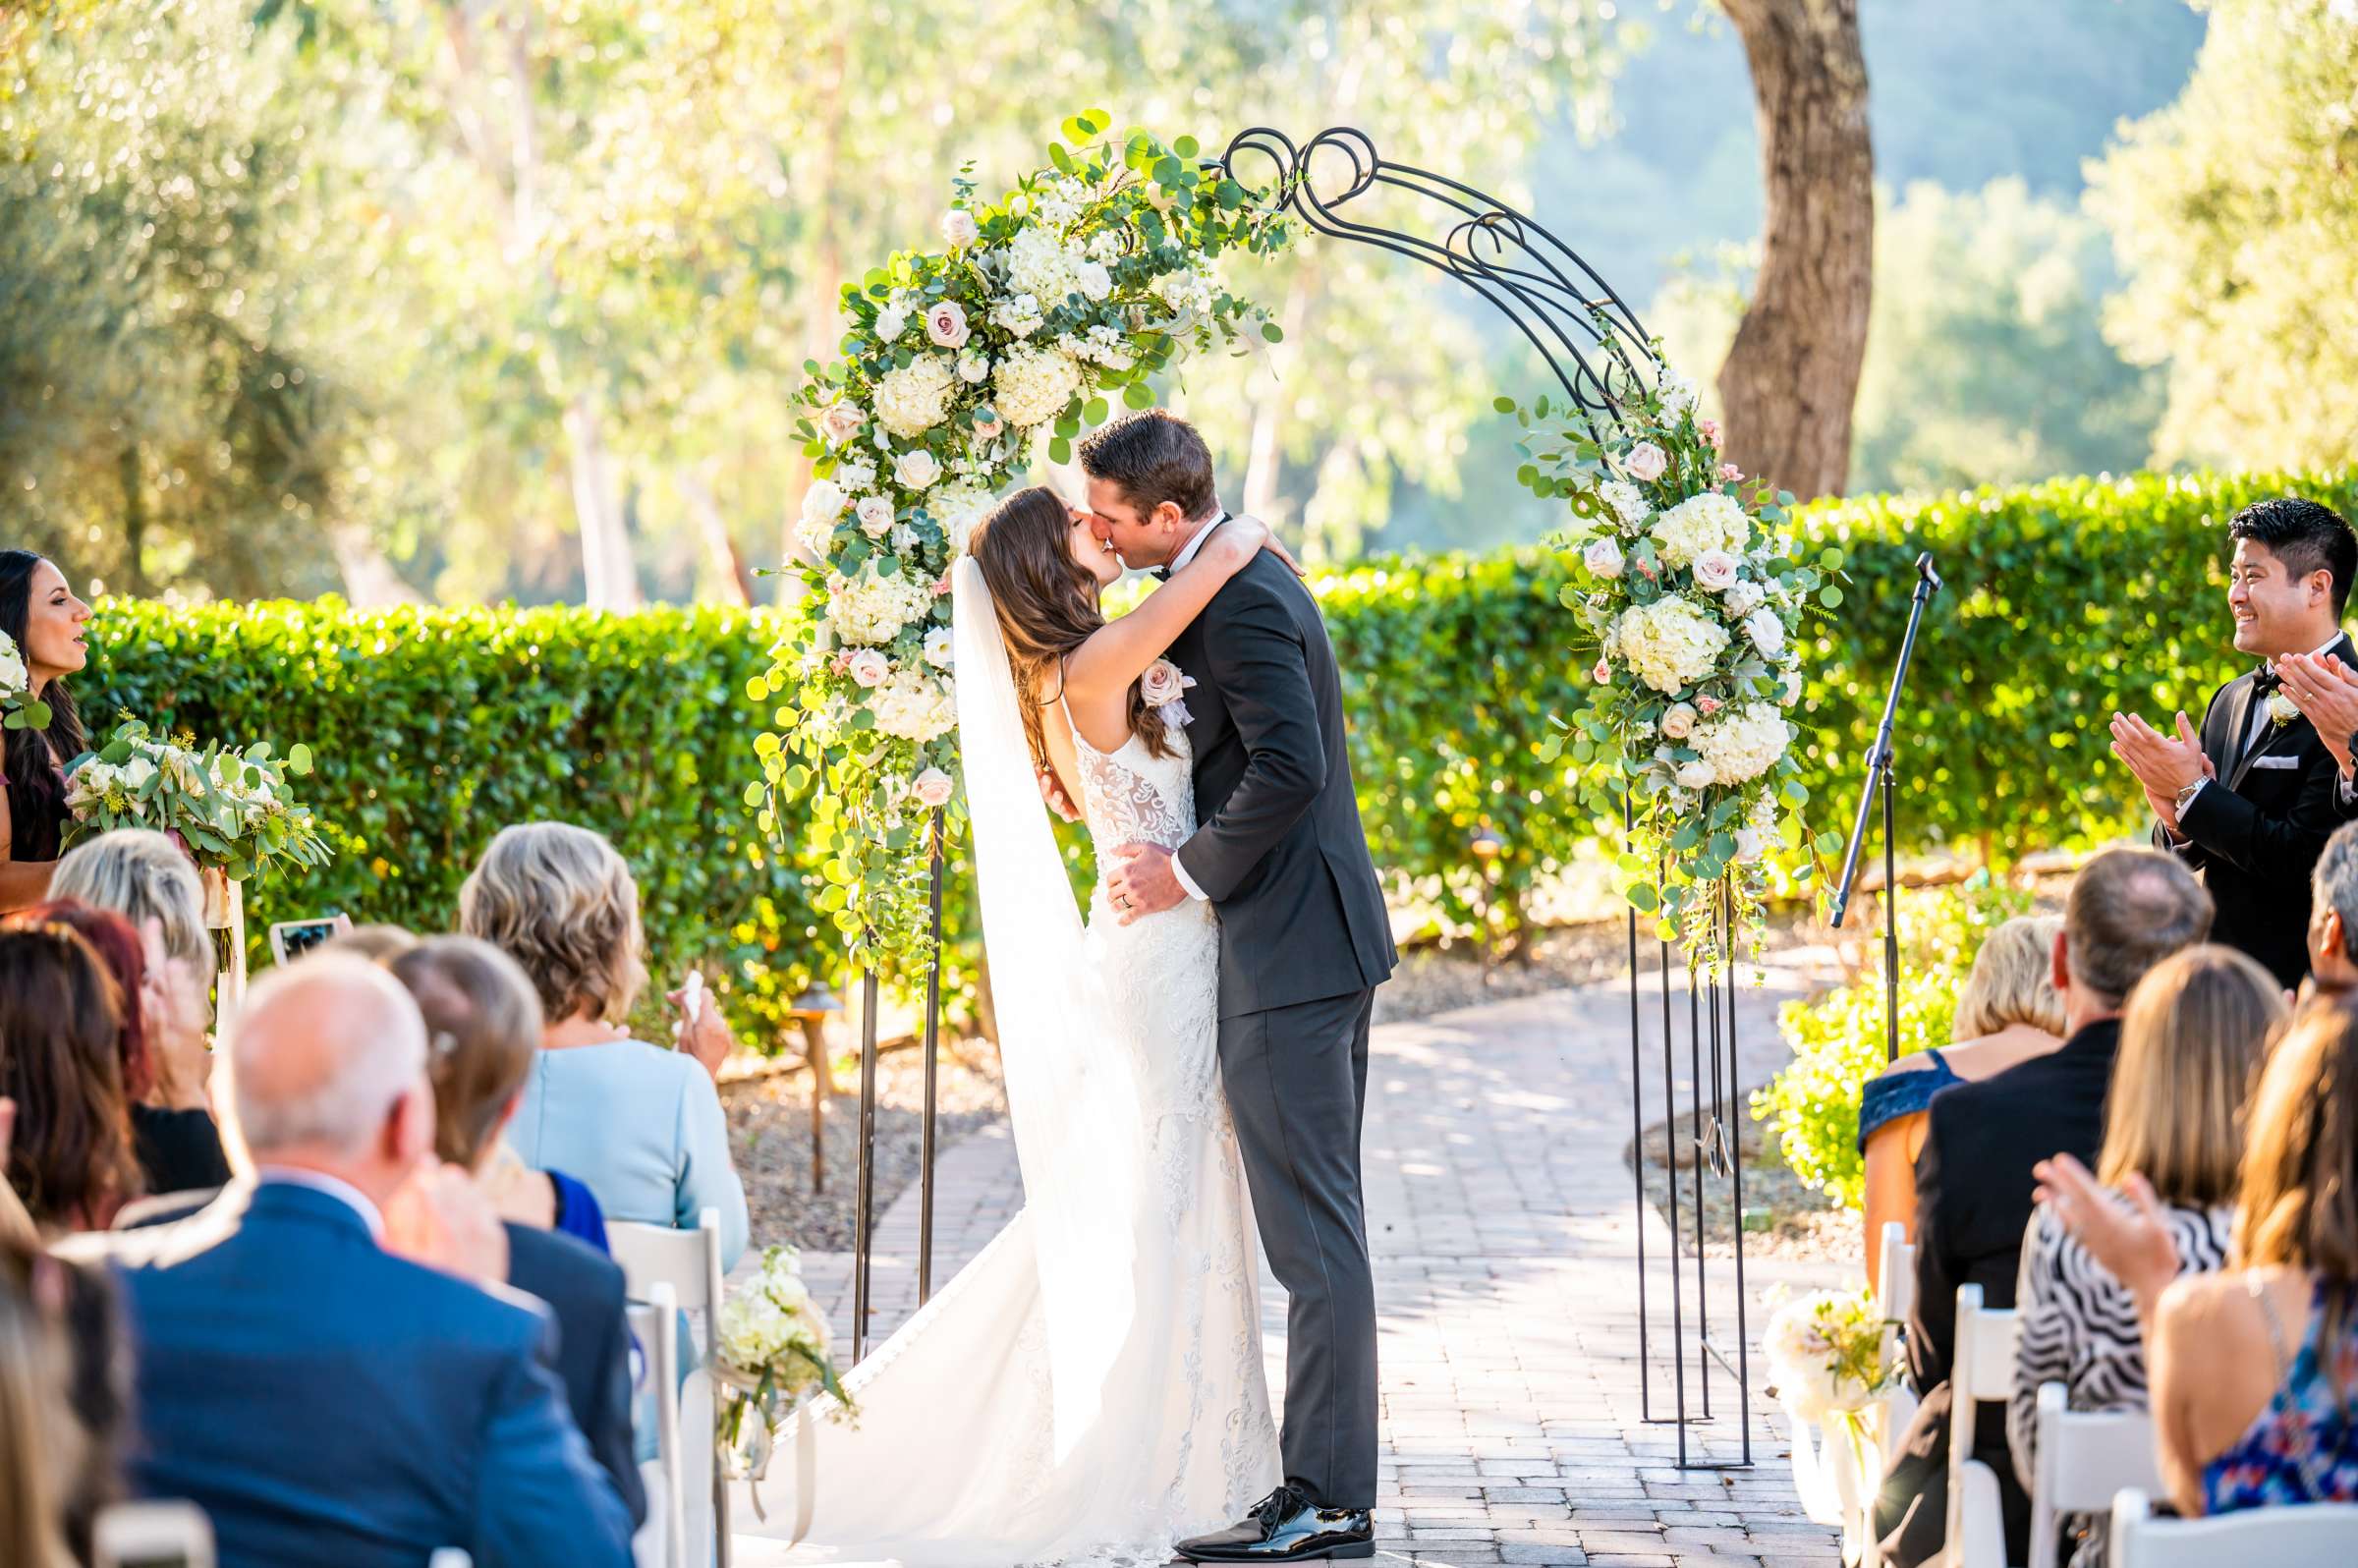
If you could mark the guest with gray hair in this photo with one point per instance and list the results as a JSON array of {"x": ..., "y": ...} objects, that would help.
[
  {"x": 2333, "y": 917},
  {"x": 302, "y": 1376}
]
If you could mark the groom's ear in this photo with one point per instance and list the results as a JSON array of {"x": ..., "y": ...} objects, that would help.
[{"x": 1169, "y": 517}]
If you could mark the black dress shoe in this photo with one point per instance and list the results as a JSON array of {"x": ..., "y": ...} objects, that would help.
[{"x": 1287, "y": 1527}]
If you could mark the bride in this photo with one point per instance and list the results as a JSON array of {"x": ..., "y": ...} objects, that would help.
[{"x": 1090, "y": 1388}]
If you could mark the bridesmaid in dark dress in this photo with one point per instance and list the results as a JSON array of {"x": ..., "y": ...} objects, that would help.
[{"x": 44, "y": 619}]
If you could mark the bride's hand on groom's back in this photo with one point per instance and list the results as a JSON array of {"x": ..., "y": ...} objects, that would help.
[{"x": 1051, "y": 790}]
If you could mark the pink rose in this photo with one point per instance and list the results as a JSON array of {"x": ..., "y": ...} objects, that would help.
[
  {"x": 875, "y": 517},
  {"x": 869, "y": 667},
  {"x": 1715, "y": 571},
  {"x": 1162, "y": 683},
  {"x": 1603, "y": 673},
  {"x": 932, "y": 787},
  {"x": 1711, "y": 431},
  {"x": 1646, "y": 461},
  {"x": 840, "y": 420},
  {"x": 1706, "y": 705},
  {"x": 1730, "y": 473},
  {"x": 1678, "y": 721},
  {"x": 946, "y": 324},
  {"x": 941, "y": 584},
  {"x": 987, "y": 424}
]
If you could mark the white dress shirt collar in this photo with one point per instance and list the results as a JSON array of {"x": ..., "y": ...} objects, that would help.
[
  {"x": 1187, "y": 552},
  {"x": 334, "y": 1187}
]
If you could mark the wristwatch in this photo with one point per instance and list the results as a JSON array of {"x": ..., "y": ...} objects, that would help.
[{"x": 2185, "y": 797}]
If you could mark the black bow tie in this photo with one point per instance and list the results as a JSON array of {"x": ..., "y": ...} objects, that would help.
[{"x": 2264, "y": 679}]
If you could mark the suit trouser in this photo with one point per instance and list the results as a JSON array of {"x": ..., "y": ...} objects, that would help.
[{"x": 1297, "y": 1081}]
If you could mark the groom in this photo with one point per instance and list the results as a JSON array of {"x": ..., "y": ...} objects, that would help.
[{"x": 1304, "y": 944}]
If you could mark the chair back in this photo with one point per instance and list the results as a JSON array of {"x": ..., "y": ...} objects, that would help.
[
  {"x": 169, "y": 1534},
  {"x": 1895, "y": 1273},
  {"x": 2315, "y": 1535},
  {"x": 1889, "y": 1416},
  {"x": 689, "y": 1263},
  {"x": 2084, "y": 1459},
  {"x": 663, "y": 1542},
  {"x": 1983, "y": 1367}
]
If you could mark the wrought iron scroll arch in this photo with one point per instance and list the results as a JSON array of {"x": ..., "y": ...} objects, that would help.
[{"x": 1589, "y": 338}]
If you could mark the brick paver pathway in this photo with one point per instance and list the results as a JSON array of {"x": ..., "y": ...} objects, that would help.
[{"x": 1505, "y": 1265}]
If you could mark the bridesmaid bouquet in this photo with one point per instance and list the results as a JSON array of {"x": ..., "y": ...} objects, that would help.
[
  {"x": 1826, "y": 1353},
  {"x": 771, "y": 1355},
  {"x": 21, "y": 710},
  {"x": 230, "y": 809}
]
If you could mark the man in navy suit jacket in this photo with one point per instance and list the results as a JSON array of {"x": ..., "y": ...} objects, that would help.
[{"x": 321, "y": 1398}]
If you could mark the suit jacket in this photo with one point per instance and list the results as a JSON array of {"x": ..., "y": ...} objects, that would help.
[
  {"x": 584, "y": 1291},
  {"x": 324, "y": 1401},
  {"x": 1279, "y": 851},
  {"x": 2254, "y": 833}
]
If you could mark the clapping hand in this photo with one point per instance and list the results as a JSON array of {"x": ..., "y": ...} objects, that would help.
[
  {"x": 2325, "y": 691},
  {"x": 2161, "y": 763},
  {"x": 2126, "y": 1234}
]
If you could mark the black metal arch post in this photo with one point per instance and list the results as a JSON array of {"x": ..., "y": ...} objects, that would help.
[{"x": 1600, "y": 354}]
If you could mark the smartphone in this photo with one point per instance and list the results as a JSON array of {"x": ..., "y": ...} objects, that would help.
[
  {"x": 151, "y": 1534},
  {"x": 290, "y": 940}
]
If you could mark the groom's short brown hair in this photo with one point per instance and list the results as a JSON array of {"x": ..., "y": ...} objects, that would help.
[{"x": 1152, "y": 457}]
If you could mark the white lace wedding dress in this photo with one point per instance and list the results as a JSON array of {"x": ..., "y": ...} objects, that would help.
[{"x": 1090, "y": 1388}]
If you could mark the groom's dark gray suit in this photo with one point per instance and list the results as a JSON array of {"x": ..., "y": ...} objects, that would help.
[{"x": 1304, "y": 944}]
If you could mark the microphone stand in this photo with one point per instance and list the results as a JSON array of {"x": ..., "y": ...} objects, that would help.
[{"x": 1883, "y": 778}]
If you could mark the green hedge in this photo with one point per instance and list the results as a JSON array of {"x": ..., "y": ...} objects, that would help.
[{"x": 436, "y": 727}]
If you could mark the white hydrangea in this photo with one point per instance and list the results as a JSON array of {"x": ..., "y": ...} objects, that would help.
[
  {"x": 1743, "y": 597},
  {"x": 916, "y": 397},
  {"x": 1626, "y": 500},
  {"x": 957, "y": 508},
  {"x": 1671, "y": 642},
  {"x": 1018, "y": 315},
  {"x": 1033, "y": 385},
  {"x": 1676, "y": 392},
  {"x": 1039, "y": 264},
  {"x": 1743, "y": 743},
  {"x": 1706, "y": 522},
  {"x": 914, "y": 705},
  {"x": 871, "y": 609},
  {"x": 1100, "y": 344},
  {"x": 1187, "y": 293}
]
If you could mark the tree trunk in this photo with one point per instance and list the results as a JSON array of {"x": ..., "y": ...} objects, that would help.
[
  {"x": 370, "y": 580},
  {"x": 1264, "y": 462},
  {"x": 1793, "y": 372},
  {"x": 135, "y": 522},
  {"x": 723, "y": 576},
  {"x": 609, "y": 576}
]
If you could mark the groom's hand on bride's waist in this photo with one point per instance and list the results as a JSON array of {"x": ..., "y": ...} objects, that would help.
[{"x": 1146, "y": 884}]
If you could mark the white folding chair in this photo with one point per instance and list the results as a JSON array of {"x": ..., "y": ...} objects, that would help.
[
  {"x": 174, "y": 1533},
  {"x": 1982, "y": 1369},
  {"x": 661, "y": 1541},
  {"x": 1895, "y": 1407},
  {"x": 2316, "y": 1535},
  {"x": 689, "y": 1262},
  {"x": 2085, "y": 1458}
]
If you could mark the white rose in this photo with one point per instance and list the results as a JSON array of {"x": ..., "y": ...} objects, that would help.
[
  {"x": 938, "y": 643},
  {"x": 823, "y": 502},
  {"x": 974, "y": 368},
  {"x": 1646, "y": 461},
  {"x": 1715, "y": 571},
  {"x": 917, "y": 468},
  {"x": 932, "y": 787},
  {"x": 1602, "y": 557},
  {"x": 959, "y": 228},
  {"x": 946, "y": 324},
  {"x": 1767, "y": 632},
  {"x": 1093, "y": 281},
  {"x": 875, "y": 516},
  {"x": 1695, "y": 775},
  {"x": 869, "y": 667},
  {"x": 891, "y": 322},
  {"x": 1679, "y": 721},
  {"x": 841, "y": 421}
]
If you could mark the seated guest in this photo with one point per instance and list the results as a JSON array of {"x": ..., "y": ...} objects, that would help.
[
  {"x": 2192, "y": 1039},
  {"x": 641, "y": 1124},
  {"x": 71, "y": 1157},
  {"x": 321, "y": 1398},
  {"x": 44, "y": 623},
  {"x": 2127, "y": 910},
  {"x": 179, "y": 1150},
  {"x": 2333, "y": 917},
  {"x": 484, "y": 1025},
  {"x": 2009, "y": 1012},
  {"x": 2249, "y": 802},
  {"x": 2254, "y": 1368},
  {"x": 149, "y": 880}
]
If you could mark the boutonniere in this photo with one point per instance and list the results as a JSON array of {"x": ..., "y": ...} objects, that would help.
[
  {"x": 2281, "y": 708},
  {"x": 1164, "y": 686}
]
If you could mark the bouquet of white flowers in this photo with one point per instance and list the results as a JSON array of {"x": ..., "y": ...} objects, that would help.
[
  {"x": 771, "y": 1354},
  {"x": 1826, "y": 1353},
  {"x": 230, "y": 809},
  {"x": 23, "y": 709}
]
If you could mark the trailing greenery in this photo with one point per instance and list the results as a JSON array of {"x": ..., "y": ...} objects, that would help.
[{"x": 433, "y": 728}]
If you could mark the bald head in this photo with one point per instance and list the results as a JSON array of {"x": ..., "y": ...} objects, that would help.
[{"x": 327, "y": 1067}]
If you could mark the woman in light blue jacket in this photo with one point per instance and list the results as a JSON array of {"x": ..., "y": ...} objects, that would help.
[{"x": 640, "y": 1124}]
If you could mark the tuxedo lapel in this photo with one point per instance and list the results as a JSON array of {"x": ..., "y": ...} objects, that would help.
[
  {"x": 2239, "y": 728},
  {"x": 2277, "y": 737}
]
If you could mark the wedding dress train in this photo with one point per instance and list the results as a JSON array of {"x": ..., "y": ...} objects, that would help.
[{"x": 1090, "y": 1388}]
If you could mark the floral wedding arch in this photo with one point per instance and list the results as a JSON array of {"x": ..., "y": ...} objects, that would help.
[{"x": 1082, "y": 283}]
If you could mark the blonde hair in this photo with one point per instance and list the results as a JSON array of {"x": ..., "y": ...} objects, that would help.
[
  {"x": 483, "y": 1025},
  {"x": 2013, "y": 981},
  {"x": 2193, "y": 1032},
  {"x": 140, "y": 875},
  {"x": 559, "y": 901}
]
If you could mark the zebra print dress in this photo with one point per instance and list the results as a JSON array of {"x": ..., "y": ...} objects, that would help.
[{"x": 2079, "y": 1328}]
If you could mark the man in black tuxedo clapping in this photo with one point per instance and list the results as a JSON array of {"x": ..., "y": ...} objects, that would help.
[{"x": 2249, "y": 803}]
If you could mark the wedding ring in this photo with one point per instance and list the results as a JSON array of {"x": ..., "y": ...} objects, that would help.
[{"x": 1121, "y": 901}]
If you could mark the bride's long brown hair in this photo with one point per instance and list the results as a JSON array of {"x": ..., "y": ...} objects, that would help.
[{"x": 1047, "y": 607}]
